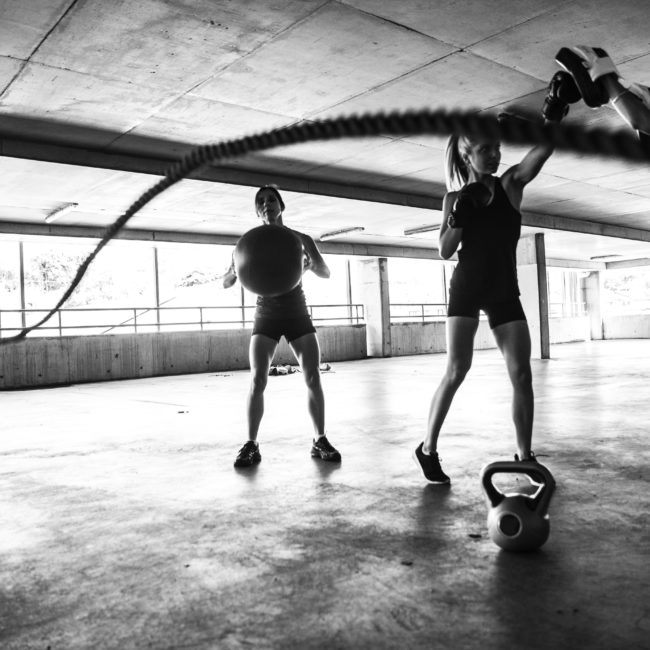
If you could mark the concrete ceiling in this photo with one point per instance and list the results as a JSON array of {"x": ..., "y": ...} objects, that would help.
[{"x": 97, "y": 97}]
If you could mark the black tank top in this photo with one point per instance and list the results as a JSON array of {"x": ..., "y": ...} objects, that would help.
[
  {"x": 289, "y": 305},
  {"x": 487, "y": 259}
]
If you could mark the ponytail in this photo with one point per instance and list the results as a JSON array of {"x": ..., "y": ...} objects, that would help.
[{"x": 456, "y": 174}]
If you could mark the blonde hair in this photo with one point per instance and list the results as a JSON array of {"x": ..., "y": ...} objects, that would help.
[{"x": 456, "y": 172}]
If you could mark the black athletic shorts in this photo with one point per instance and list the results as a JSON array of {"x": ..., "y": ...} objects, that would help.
[
  {"x": 498, "y": 313},
  {"x": 290, "y": 328}
]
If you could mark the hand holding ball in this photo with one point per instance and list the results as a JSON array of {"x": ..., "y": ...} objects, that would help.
[{"x": 269, "y": 260}]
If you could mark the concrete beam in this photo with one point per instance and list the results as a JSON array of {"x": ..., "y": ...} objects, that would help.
[
  {"x": 628, "y": 264},
  {"x": 74, "y": 155},
  {"x": 319, "y": 187},
  {"x": 70, "y": 155},
  {"x": 378, "y": 250},
  {"x": 572, "y": 265},
  {"x": 153, "y": 236},
  {"x": 54, "y": 230},
  {"x": 553, "y": 222}
]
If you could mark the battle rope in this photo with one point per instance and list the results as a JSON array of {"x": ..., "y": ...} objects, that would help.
[{"x": 568, "y": 137}]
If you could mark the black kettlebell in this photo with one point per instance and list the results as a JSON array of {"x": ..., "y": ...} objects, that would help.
[{"x": 518, "y": 522}]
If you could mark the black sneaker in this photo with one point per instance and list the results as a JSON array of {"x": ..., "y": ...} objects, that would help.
[
  {"x": 248, "y": 455},
  {"x": 430, "y": 466},
  {"x": 531, "y": 458},
  {"x": 322, "y": 449}
]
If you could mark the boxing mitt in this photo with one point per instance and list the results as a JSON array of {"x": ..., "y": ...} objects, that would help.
[
  {"x": 562, "y": 91},
  {"x": 469, "y": 200}
]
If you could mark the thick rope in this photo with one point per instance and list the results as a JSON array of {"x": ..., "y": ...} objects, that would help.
[{"x": 566, "y": 137}]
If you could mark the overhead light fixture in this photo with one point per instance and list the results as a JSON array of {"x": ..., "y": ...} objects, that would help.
[
  {"x": 419, "y": 229},
  {"x": 604, "y": 257},
  {"x": 57, "y": 213},
  {"x": 335, "y": 233}
]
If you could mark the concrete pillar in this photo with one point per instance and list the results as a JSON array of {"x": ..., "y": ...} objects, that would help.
[
  {"x": 531, "y": 270},
  {"x": 156, "y": 280},
  {"x": 21, "y": 273},
  {"x": 376, "y": 305},
  {"x": 591, "y": 298}
]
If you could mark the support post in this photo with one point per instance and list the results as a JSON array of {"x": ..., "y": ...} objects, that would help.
[
  {"x": 591, "y": 298},
  {"x": 531, "y": 270},
  {"x": 376, "y": 304}
]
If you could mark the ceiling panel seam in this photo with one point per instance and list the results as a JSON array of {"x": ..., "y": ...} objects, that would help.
[
  {"x": 38, "y": 45},
  {"x": 166, "y": 103},
  {"x": 557, "y": 4},
  {"x": 563, "y": 4},
  {"x": 505, "y": 67},
  {"x": 310, "y": 116},
  {"x": 417, "y": 69},
  {"x": 394, "y": 22}
]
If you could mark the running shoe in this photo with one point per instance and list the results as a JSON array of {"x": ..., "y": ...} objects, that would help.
[
  {"x": 322, "y": 449},
  {"x": 430, "y": 466},
  {"x": 248, "y": 455}
]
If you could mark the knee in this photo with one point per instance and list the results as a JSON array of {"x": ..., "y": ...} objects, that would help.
[
  {"x": 456, "y": 372},
  {"x": 312, "y": 379},
  {"x": 522, "y": 377},
  {"x": 258, "y": 382}
]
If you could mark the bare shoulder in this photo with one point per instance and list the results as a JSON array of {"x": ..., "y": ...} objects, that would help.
[
  {"x": 509, "y": 176},
  {"x": 512, "y": 187},
  {"x": 301, "y": 235},
  {"x": 448, "y": 199}
]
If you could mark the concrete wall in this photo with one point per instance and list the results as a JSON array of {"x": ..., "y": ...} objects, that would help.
[
  {"x": 66, "y": 360},
  {"x": 427, "y": 338},
  {"x": 627, "y": 327},
  {"x": 566, "y": 330},
  {"x": 76, "y": 359},
  {"x": 337, "y": 343}
]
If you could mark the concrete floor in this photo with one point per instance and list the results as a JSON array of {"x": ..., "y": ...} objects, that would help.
[{"x": 124, "y": 525}]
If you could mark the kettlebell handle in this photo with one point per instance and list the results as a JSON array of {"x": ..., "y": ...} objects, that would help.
[{"x": 539, "y": 473}]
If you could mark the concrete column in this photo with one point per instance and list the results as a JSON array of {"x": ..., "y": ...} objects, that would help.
[
  {"x": 591, "y": 298},
  {"x": 21, "y": 273},
  {"x": 376, "y": 304},
  {"x": 156, "y": 280},
  {"x": 531, "y": 270}
]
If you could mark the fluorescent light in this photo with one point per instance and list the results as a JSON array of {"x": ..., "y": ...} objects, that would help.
[
  {"x": 57, "y": 213},
  {"x": 605, "y": 257},
  {"x": 419, "y": 229},
  {"x": 335, "y": 233}
]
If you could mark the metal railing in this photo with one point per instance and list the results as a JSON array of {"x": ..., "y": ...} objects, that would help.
[
  {"x": 407, "y": 312},
  {"x": 429, "y": 312},
  {"x": 136, "y": 320}
]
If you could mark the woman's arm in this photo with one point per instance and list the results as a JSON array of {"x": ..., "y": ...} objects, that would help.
[
  {"x": 522, "y": 173},
  {"x": 231, "y": 275},
  {"x": 315, "y": 261},
  {"x": 448, "y": 238},
  {"x": 562, "y": 91}
]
